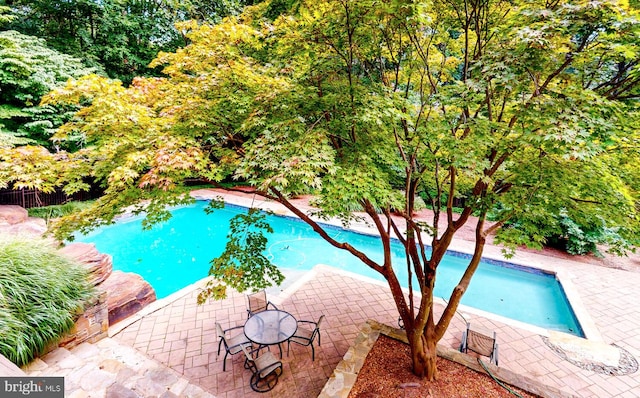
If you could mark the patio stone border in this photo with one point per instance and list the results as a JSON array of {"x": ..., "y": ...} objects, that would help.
[
  {"x": 346, "y": 372},
  {"x": 627, "y": 363}
]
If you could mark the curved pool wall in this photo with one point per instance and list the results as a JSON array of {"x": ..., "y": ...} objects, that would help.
[{"x": 176, "y": 253}]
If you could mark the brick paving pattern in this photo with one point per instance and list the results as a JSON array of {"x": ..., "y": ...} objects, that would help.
[{"x": 182, "y": 334}]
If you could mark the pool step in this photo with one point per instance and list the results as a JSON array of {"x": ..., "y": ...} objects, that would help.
[{"x": 109, "y": 369}]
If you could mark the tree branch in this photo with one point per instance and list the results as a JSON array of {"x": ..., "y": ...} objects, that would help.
[{"x": 280, "y": 198}]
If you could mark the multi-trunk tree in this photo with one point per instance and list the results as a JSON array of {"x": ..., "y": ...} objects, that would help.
[{"x": 518, "y": 108}]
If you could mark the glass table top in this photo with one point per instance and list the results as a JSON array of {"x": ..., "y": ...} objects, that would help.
[{"x": 270, "y": 327}]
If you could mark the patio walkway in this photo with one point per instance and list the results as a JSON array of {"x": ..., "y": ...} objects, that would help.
[{"x": 182, "y": 334}]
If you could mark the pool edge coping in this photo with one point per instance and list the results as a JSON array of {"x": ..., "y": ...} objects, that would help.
[
  {"x": 564, "y": 277},
  {"x": 467, "y": 310},
  {"x": 279, "y": 298}
]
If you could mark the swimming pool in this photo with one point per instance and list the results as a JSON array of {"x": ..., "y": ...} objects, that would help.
[{"x": 175, "y": 254}]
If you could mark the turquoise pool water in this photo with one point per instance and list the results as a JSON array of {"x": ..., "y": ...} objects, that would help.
[{"x": 177, "y": 253}]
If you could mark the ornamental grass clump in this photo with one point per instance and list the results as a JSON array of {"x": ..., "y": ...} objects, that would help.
[{"x": 41, "y": 294}]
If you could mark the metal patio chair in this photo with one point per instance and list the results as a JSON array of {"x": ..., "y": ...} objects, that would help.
[
  {"x": 306, "y": 334},
  {"x": 257, "y": 302},
  {"x": 232, "y": 344},
  {"x": 481, "y": 342},
  {"x": 266, "y": 369}
]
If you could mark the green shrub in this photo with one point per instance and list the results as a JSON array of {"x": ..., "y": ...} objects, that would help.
[
  {"x": 41, "y": 294},
  {"x": 50, "y": 212},
  {"x": 583, "y": 238},
  {"x": 573, "y": 234}
]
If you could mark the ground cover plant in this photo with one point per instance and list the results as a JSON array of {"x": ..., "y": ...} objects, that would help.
[
  {"x": 51, "y": 212},
  {"x": 516, "y": 108},
  {"x": 41, "y": 294}
]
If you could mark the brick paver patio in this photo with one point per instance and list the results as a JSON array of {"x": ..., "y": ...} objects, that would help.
[{"x": 181, "y": 334}]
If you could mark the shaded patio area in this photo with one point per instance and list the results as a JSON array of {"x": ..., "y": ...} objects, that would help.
[{"x": 180, "y": 334}]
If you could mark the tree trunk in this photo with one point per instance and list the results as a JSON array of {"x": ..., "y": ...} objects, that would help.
[{"x": 423, "y": 355}]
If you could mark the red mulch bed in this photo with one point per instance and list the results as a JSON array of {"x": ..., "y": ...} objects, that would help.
[{"x": 387, "y": 374}]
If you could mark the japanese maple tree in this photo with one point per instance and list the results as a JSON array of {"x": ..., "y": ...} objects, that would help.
[{"x": 518, "y": 109}]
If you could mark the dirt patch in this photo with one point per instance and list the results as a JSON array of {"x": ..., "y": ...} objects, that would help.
[{"x": 386, "y": 373}]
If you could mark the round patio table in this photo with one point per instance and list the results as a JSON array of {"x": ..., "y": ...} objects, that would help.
[{"x": 270, "y": 327}]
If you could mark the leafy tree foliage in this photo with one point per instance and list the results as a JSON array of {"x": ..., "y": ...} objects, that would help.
[
  {"x": 121, "y": 37},
  {"x": 5, "y": 15},
  {"x": 243, "y": 262},
  {"x": 28, "y": 70},
  {"x": 522, "y": 108}
]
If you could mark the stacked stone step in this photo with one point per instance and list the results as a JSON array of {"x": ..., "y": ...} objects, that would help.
[
  {"x": 108, "y": 369},
  {"x": 15, "y": 221}
]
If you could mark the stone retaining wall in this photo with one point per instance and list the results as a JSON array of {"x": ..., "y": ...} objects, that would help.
[{"x": 92, "y": 325}]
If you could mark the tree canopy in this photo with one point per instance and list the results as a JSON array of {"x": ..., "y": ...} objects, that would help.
[
  {"x": 28, "y": 70},
  {"x": 522, "y": 109},
  {"x": 119, "y": 37}
]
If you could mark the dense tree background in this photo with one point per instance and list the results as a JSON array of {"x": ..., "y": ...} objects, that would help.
[
  {"x": 44, "y": 42},
  {"x": 120, "y": 37},
  {"x": 28, "y": 70}
]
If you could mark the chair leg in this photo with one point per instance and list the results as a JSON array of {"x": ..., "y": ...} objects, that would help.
[
  {"x": 260, "y": 384},
  {"x": 224, "y": 362},
  {"x": 463, "y": 342},
  {"x": 313, "y": 352},
  {"x": 219, "y": 345},
  {"x": 494, "y": 357}
]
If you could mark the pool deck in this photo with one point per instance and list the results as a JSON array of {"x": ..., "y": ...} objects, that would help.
[{"x": 180, "y": 334}]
